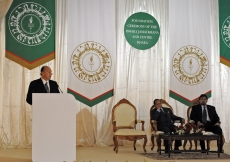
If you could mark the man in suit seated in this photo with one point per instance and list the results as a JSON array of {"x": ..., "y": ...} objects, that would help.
[
  {"x": 164, "y": 117},
  {"x": 42, "y": 85},
  {"x": 206, "y": 116}
]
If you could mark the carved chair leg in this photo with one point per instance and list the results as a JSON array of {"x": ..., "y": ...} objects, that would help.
[
  {"x": 134, "y": 145},
  {"x": 158, "y": 143},
  {"x": 145, "y": 141},
  {"x": 195, "y": 142},
  {"x": 223, "y": 141},
  {"x": 184, "y": 145},
  {"x": 153, "y": 144},
  {"x": 114, "y": 140},
  {"x": 190, "y": 142}
]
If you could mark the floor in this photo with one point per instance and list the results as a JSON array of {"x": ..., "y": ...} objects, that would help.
[{"x": 95, "y": 154}]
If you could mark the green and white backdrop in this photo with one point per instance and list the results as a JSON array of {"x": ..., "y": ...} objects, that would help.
[{"x": 187, "y": 27}]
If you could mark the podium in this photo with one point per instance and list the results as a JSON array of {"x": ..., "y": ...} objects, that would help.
[{"x": 53, "y": 127}]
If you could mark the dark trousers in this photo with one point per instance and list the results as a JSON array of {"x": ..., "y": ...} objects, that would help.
[
  {"x": 169, "y": 130},
  {"x": 211, "y": 128}
]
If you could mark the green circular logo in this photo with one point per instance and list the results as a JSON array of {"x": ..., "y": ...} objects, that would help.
[
  {"x": 30, "y": 23},
  {"x": 142, "y": 30}
]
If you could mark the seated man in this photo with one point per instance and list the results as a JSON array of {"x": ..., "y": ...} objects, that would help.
[
  {"x": 164, "y": 117},
  {"x": 206, "y": 116}
]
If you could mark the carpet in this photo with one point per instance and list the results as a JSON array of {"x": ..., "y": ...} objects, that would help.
[{"x": 186, "y": 156}]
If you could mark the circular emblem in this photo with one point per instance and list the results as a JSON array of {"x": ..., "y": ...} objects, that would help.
[
  {"x": 91, "y": 62},
  {"x": 190, "y": 65},
  {"x": 225, "y": 31},
  {"x": 141, "y": 30},
  {"x": 30, "y": 24}
]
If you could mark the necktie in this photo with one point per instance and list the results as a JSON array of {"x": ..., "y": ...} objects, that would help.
[
  {"x": 162, "y": 111},
  {"x": 204, "y": 115},
  {"x": 47, "y": 88}
]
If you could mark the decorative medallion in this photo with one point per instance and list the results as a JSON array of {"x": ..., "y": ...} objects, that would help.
[
  {"x": 91, "y": 62},
  {"x": 30, "y": 24},
  {"x": 190, "y": 65},
  {"x": 142, "y": 30},
  {"x": 225, "y": 32}
]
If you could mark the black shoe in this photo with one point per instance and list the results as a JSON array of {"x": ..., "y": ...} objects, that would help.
[
  {"x": 203, "y": 151},
  {"x": 177, "y": 149},
  {"x": 221, "y": 151}
]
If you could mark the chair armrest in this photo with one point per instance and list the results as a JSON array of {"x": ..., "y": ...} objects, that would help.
[
  {"x": 143, "y": 122},
  {"x": 176, "y": 121},
  {"x": 191, "y": 121},
  {"x": 153, "y": 125},
  {"x": 140, "y": 121},
  {"x": 153, "y": 121},
  {"x": 114, "y": 126}
]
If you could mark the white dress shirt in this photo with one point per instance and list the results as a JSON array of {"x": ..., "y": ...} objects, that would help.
[{"x": 159, "y": 110}]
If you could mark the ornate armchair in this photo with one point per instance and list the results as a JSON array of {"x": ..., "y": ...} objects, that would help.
[
  {"x": 155, "y": 132},
  {"x": 191, "y": 121},
  {"x": 124, "y": 120}
]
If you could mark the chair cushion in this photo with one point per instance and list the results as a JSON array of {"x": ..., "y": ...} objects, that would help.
[
  {"x": 129, "y": 132},
  {"x": 157, "y": 133}
]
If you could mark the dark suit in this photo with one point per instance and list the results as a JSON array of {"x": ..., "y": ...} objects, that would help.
[
  {"x": 37, "y": 86},
  {"x": 196, "y": 115},
  {"x": 165, "y": 123}
]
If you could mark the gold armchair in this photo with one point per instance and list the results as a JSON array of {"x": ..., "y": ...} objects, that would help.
[
  {"x": 124, "y": 120},
  {"x": 155, "y": 132}
]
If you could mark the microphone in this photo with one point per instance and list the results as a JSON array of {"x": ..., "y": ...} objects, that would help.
[{"x": 59, "y": 88}]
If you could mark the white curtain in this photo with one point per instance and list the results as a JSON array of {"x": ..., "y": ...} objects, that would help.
[
  {"x": 15, "y": 113},
  {"x": 140, "y": 76},
  {"x": 5, "y": 5}
]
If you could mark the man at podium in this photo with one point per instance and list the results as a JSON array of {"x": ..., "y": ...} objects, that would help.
[{"x": 42, "y": 85}]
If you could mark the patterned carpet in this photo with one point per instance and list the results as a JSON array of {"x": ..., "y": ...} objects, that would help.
[{"x": 186, "y": 156}]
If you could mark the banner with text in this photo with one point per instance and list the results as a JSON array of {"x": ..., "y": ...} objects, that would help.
[
  {"x": 224, "y": 30},
  {"x": 91, "y": 49},
  {"x": 30, "y": 32},
  {"x": 190, "y": 49}
]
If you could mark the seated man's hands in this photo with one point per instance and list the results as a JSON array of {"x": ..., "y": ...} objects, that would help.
[
  {"x": 199, "y": 124},
  {"x": 217, "y": 124},
  {"x": 182, "y": 121}
]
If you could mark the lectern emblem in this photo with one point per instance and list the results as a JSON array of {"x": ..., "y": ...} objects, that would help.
[
  {"x": 91, "y": 62},
  {"x": 30, "y": 24},
  {"x": 190, "y": 65}
]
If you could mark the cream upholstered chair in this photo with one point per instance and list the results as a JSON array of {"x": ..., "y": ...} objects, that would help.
[
  {"x": 124, "y": 120},
  {"x": 155, "y": 132},
  {"x": 191, "y": 121}
]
